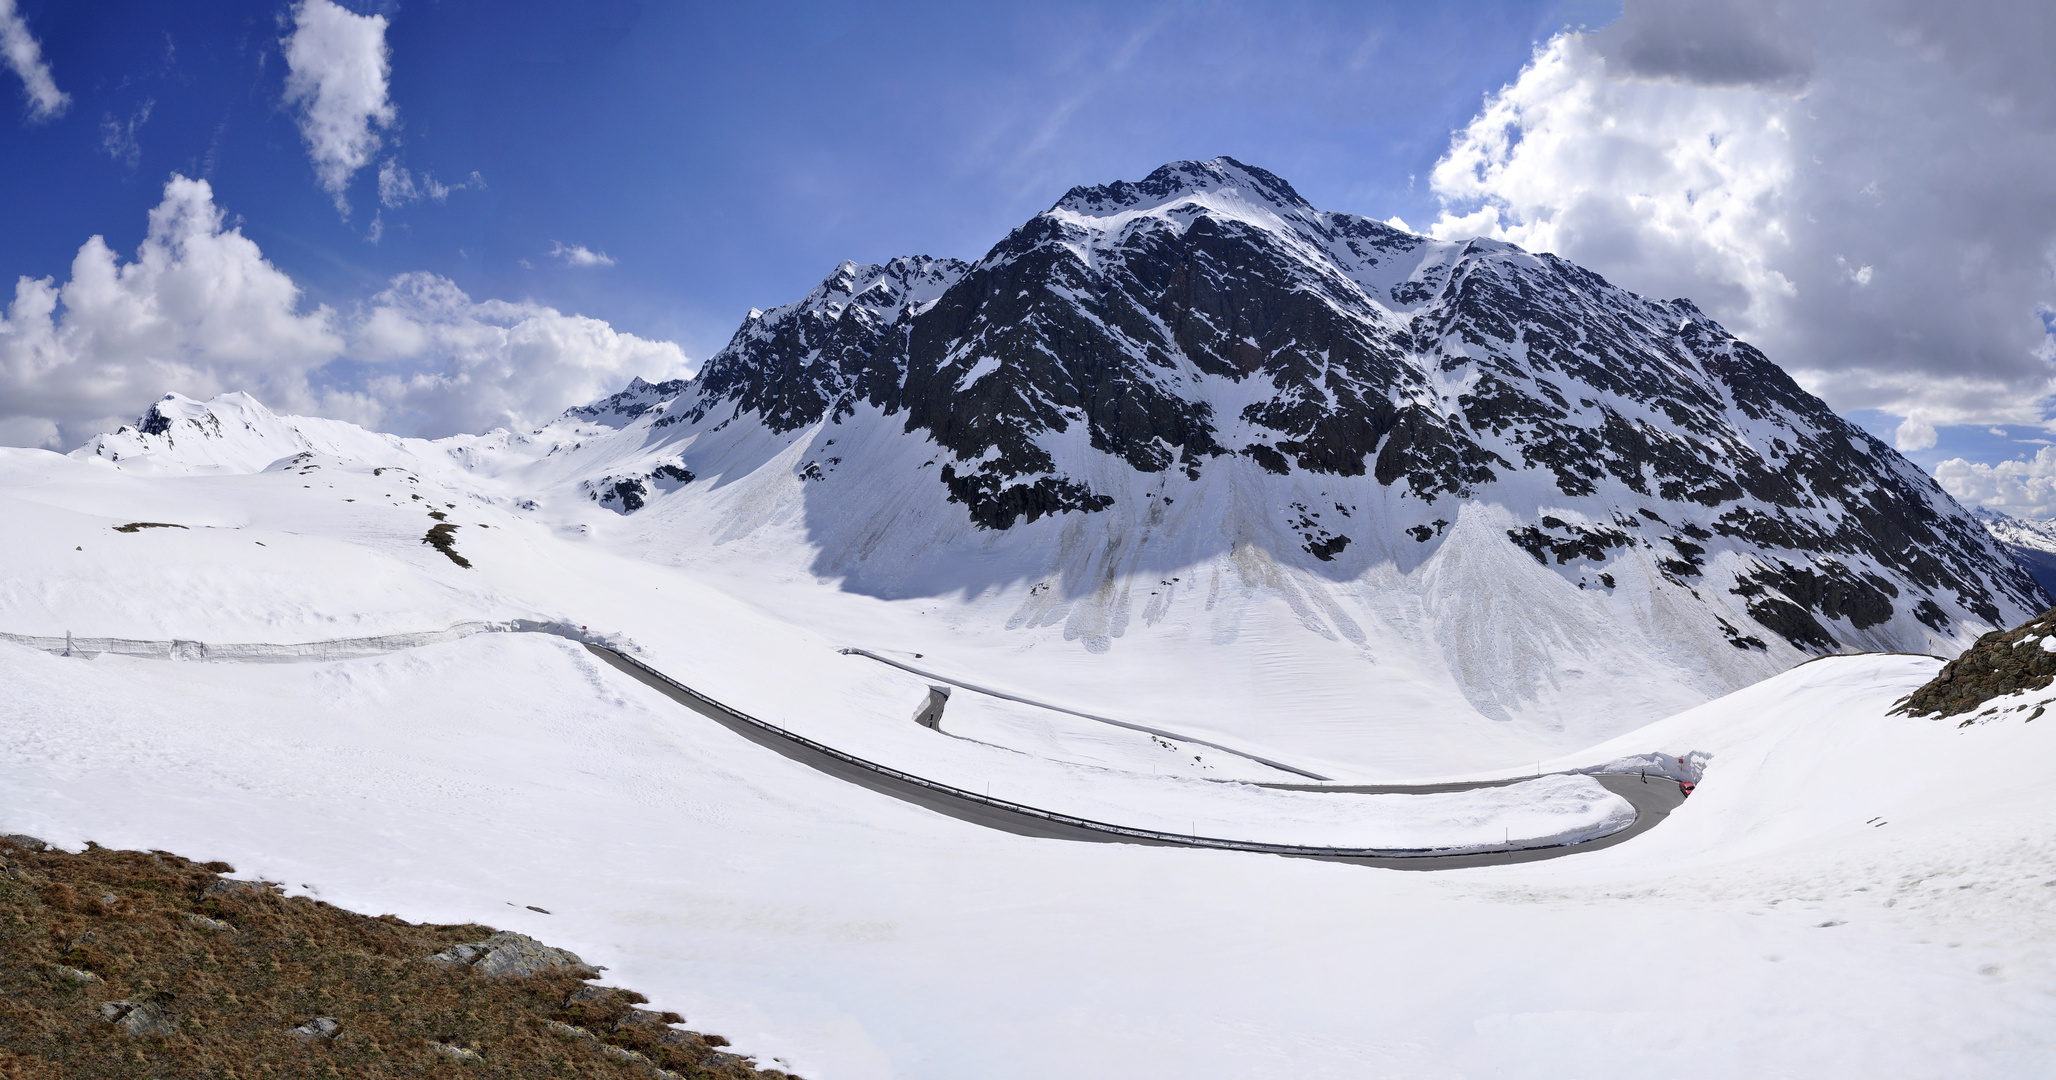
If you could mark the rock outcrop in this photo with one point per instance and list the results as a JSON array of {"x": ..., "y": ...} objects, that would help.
[
  {"x": 510, "y": 955},
  {"x": 2002, "y": 662}
]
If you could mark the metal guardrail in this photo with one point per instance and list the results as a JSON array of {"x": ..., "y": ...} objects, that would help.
[
  {"x": 1179, "y": 839},
  {"x": 304, "y": 652},
  {"x": 1160, "y": 732},
  {"x": 350, "y": 648}
]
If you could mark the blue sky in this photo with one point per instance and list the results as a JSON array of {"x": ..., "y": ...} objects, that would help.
[{"x": 728, "y": 156}]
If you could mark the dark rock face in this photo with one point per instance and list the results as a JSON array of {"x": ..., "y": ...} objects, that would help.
[
  {"x": 628, "y": 493},
  {"x": 154, "y": 422},
  {"x": 1207, "y": 313},
  {"x": 817, "y": 358},
  {"x": 2000, "y": 663}
]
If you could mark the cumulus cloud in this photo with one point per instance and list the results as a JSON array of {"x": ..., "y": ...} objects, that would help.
[
  {"x": 1859, "y": 189},
  {"x": 469, "y": 365},
  {"x": 1915, "y": 434},
  {"x": 24, "y": 57},
  {"x": 579, "y": 255},
  {"x": 336, "y": 71},
  {"x": 198, "y": 307},
  {"x": 2025, "y": 488},
  {"x": 200, "y": 310}
]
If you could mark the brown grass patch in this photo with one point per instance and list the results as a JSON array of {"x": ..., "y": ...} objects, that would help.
[
  {"x": 233, "y": 973},
  {"x": 442, "y": 538}
]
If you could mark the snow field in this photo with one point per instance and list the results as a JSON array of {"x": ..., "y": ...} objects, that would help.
[
  {"x": 1847, "y": 894},
  {"x": 853, "y": 935}
]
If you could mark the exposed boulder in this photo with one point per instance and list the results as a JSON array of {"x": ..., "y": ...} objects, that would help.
[
  {"x": 139, "y": 1017},
  {"x": 321, "y": 1027},
  {"x": 232, "y": 889},
  {"x": 454, "y": 1053},
  {"x": 512, "y": 955}
]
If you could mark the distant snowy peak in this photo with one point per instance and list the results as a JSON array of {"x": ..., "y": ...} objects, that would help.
[
  {"x": 1371, "y": 254},
  {"x": 232, "y": 433},
  {"x": 622, "y": 408},
  {"x": 2019, "y": 532},
  {"x": 2033, "y": 543}
]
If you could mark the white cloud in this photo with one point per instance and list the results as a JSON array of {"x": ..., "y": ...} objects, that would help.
[
  {"x": 464, "y": 365},
  {"x": 199, "y": 310},
  {"x": 119, "y": 139},
  {"x": 1861, "y": 190},
  {"x": 2025, "y": 488},
  {"x": 336, "y": 71},
  {"x": 1914, "y": 434},
  {"x": 25, "y": 57},
  {"x": 397, "y": 186},
  {"x": 579, "y": 255}
]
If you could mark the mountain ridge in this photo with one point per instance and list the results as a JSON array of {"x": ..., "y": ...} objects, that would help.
[{"x": 1193, "y": 408}]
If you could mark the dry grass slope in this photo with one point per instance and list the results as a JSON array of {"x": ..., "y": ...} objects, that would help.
[{"x": 113, "y": 964}]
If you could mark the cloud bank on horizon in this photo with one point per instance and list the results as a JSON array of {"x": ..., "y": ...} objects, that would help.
[
  {"x": 1861, "y": 190},
  {"x": 200, "y": 310}
]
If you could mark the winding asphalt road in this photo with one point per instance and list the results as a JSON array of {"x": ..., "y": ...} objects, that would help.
[{"x": 1653, "y": 798}]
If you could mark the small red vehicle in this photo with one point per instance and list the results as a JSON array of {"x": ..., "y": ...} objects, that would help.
[{"x": 1685, "y": 788}]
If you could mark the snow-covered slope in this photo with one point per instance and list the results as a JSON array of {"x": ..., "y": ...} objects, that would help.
[
  {"x": 233, "y": 433},
  {"x": 1289, "y": 484},
  {"x": 1849, "y": 894},
  {"x": 1195, "y": 452}
]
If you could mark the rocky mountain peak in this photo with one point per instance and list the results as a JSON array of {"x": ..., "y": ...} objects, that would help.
[
  {"x": 793, "y": 363},
  {"x": 1345, "y": 397},
  {"x": 1226, "y": 177},
  {"x": 883, "y": 290},
  {"x": 638, "y": 398}
]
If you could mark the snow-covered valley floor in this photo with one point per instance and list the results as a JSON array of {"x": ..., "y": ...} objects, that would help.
[
  {"x": 1767, "y": 928},
  {"x": 1847, "y": 894}
]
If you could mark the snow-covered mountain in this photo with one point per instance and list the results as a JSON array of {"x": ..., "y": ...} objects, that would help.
[
  {"x": 234, "y": 433},
  {"x": 2032, "y": 543},
  {"x": 1241, "y": 441}
]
